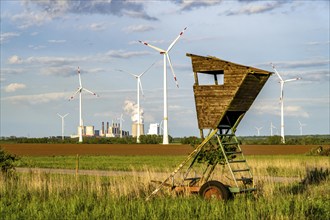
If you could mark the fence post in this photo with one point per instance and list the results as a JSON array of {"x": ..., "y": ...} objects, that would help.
[{"x": 77, "y": 165}]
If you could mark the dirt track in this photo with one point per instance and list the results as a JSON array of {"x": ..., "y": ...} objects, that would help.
[{"x": 139, "y": 149}]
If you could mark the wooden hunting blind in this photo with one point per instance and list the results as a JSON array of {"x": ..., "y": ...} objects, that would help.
[
  {"x": 220, "y": 105},
  {"x": 223, "y": 103}
]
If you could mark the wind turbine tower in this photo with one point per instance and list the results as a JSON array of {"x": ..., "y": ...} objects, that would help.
[
  {"x": 282, "y": 82},
  {"x": 258, "y": 130},
  {"x": 165, "y": 53},
  {"x": 301, "y": 127},
  {"x": 271, "y": 128},
  {"x": 139, "y": 86},
  {"x": 121, "y": 124},
  {"x": 62, "y": 117},
  {"x": 80, "y": 90}
]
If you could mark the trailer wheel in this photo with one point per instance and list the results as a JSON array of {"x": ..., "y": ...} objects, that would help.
[{"x": 214, "y": 190}]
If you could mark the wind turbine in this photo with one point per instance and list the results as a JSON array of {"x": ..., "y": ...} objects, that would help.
[
  {"x": 258, "y": 129},
  {"x": 139, "y": 86},
  {"x": 282, "y": 101},
  {"x": 121, "y": 124},
  {"x": 165, "y": 53},
  {"x": 271, "y": 128},
  {"x": 80, "y": 90},
  {"x": 301, "y": 126},
  {"x": 63, "y": 116}
]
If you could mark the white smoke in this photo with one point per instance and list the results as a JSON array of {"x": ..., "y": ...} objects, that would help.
[{"x": 132, "y": 109}]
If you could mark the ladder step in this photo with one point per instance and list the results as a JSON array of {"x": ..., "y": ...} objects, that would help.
[
  {"x": 245, "y": 179},
  {"x": 233, "y": 152},
  {"x": 242, "y": 170},
  {"x": 237, "y": 161},
  {"x": 224, "y": 126},
  {"x": 224, "y": 135}
]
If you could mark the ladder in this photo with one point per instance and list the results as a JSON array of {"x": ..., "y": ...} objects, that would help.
[{"x": 235, "y": 160}]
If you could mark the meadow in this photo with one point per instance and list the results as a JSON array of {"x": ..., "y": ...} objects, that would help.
[{"x": 303, "y": 193}]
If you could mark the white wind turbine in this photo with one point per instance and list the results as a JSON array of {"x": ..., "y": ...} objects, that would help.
[
  {"x": 300, "y": 127},
  {"x": 62, "y": 117},
  {"x": 139, "y": 86},
  {"x": 79, "y": 90},
  {"x": 166, "y": 56},
  {"x": 258, "y": 130},
  {"x": 271, "y": 128},
  {"x": 121, "y": 124},
  {"x": 282, "y": 101}
]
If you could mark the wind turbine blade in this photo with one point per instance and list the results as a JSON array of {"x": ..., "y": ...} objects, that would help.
[
  {"x": 279, "y": 76},
  {"x": 140, "y": 84},
  {"x": 59, "y": 115},
  {"x": 153, "y": 47},
  {"x": 170, "y": 63},
  {"x": 175, "y": 40},
  {"x": 127, "y": 72},
  {"x": 78, "y": 90},
  {"x": 93, "y": 93},
  {"x": 65, "y": 115},
  {"x": 78, "y": 71},
  {"x": 147, "y": 69},
  {"x": 289, "y": 80}
]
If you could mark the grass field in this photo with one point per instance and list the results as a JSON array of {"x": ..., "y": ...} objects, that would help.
[
  {"x": 39, "y": 195},
  {"x": 301, "y": 190}
]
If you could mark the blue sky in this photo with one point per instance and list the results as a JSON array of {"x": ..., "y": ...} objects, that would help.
[{"x": 43, "y": 43}]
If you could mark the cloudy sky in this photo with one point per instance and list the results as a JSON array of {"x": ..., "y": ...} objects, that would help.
[{"x": 43, "y": 43}]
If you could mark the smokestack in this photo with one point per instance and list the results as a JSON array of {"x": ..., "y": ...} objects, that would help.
[
  {"x": 102, "y": 127},
  {"x": 107, "y": 127}
]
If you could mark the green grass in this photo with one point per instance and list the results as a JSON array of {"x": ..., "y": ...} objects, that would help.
[
  {"x": 37, "y": 195},
  {"x": 276, "y": 165},
  {"x": 45, "y": 196},
  {"x": 125, "y": 163}
]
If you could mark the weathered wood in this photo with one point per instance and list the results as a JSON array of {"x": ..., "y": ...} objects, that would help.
[{"x": 216, "y": 104}]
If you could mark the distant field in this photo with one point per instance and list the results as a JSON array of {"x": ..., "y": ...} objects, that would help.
[{"x": 140, "y": 149}]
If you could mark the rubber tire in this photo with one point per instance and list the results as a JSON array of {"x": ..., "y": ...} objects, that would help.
[{"x": 214, "y": 190}]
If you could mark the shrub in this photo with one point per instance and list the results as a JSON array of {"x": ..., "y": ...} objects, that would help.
[{"x": 7, "y": 162}]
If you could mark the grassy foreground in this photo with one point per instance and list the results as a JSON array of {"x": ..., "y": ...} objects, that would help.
[
  {"x": 38, "y": 195},
  {"x": 274, "y": 165}
]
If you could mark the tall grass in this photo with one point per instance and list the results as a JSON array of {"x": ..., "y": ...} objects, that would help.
[
  {"x": 37, "y": 195},
  {"x": 44, "y": 196}
]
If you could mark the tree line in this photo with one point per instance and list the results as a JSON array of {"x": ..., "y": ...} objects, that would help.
[{"x": 158, "y": 139}]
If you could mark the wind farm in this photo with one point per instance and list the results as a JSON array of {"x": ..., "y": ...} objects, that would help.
[
  {"x": 282, "y": 82},
  {"x": 166, "y": 56},
  {"x": 79, "y": 91},
  {"x": 199, "y": 134}
]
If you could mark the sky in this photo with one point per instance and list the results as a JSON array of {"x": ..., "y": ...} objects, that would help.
[{"x": 43, "y": 43}]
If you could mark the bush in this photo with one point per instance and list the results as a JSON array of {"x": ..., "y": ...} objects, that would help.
[
  {"x": 320, "y": 151},
  {"x": 192, "y": 140},
  {"x": 7, "y": 162}
]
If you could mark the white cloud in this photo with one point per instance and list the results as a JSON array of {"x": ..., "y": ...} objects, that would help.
[
  {"x": 14, "y": 59},
  {"x": 11, "y": 71},
  {"x": 187, "y": 5},
  {"x": 37, "y": 13},
  {"x": 138, "y": 28},
  {"x": 274, "y": 109},
  {"x": 36, "y": 47},
  {"x": 256, "y": 7},
  {"x": 14, "y": 86},
  {"x": 97, "y": 26},
  {"x": 4, "y": 37},
  {"x": 57, "y": 41},
  {"x": 36, "y": 99},
  {"x": 125, "y": 54}
]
